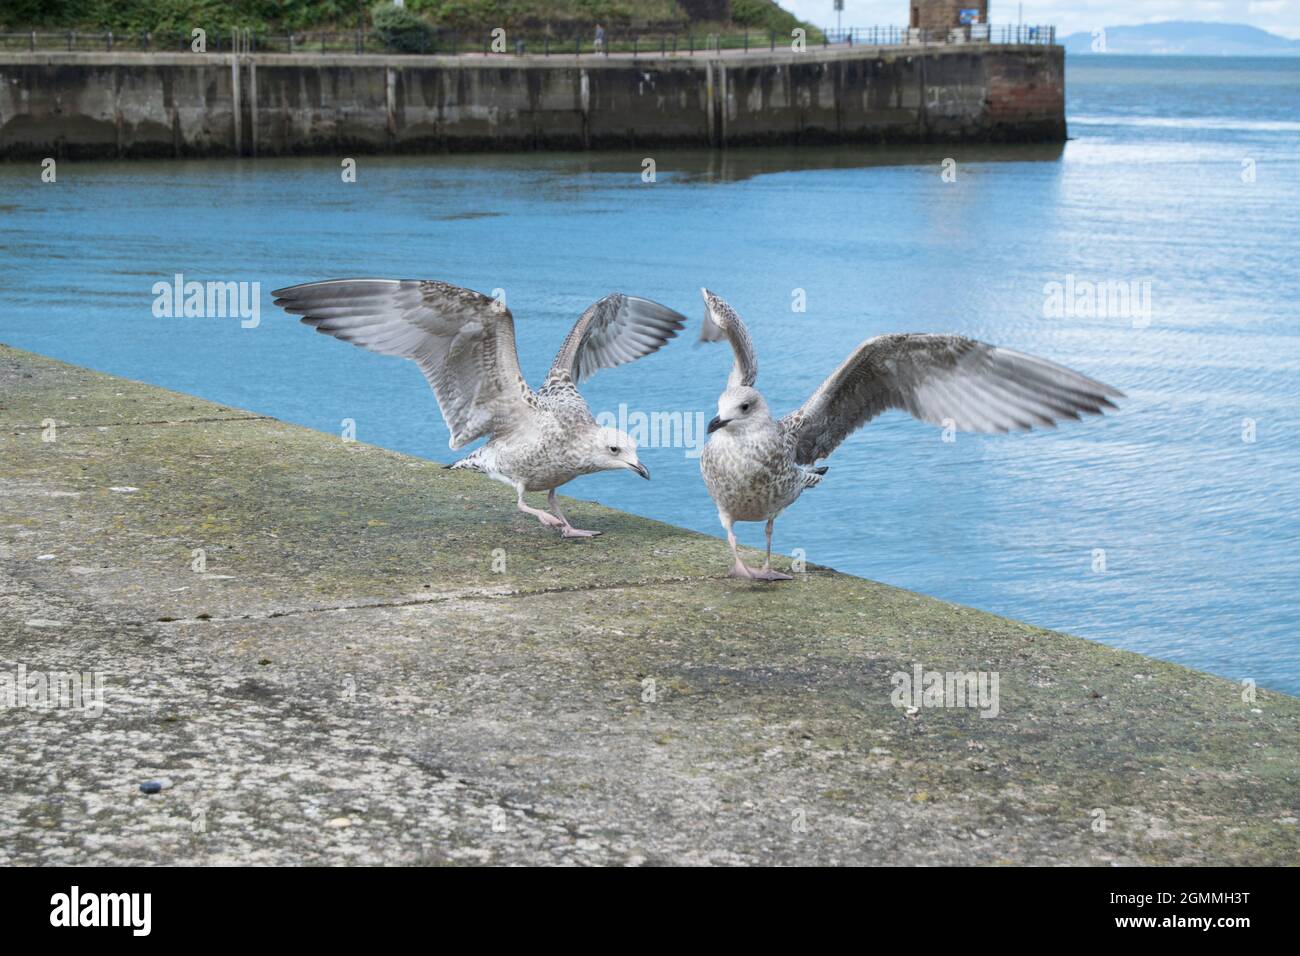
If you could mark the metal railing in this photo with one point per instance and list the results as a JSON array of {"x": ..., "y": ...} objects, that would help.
[
  {"x": 531, "y": 44},
  {"x": 973, "y": 33}
]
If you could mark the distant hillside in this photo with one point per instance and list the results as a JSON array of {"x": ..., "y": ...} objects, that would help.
[
  {"x": 1188, "y": 38},
  {"x": 133, "y": 16}
]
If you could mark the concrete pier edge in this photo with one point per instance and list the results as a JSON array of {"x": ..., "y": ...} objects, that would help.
[{"x": 334, "y": 653}]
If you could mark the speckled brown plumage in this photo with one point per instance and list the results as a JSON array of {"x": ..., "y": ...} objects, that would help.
[
  {"x": 756, "y": 466},
  {"x": 464, "y": 343}
]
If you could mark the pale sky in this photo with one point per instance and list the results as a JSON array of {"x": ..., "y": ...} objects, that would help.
[{"x": 1070, "y": 16}]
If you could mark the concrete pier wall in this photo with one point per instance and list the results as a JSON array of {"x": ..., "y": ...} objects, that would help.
[
  {"x": 90, "y": 105},
  {"x": 340, "y": 654}
]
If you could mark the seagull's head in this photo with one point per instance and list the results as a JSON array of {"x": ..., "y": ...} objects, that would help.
[
  {"x": 614, "y": 449},
  {"x": 738, "y": 408}
]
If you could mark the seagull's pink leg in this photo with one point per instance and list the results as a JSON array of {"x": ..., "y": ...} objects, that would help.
[
  {"x": 740, "y": 569},
  {"x": 766, "y": 573},
  {"x": 569, "y": 530},
  {"x": 547, "y": 519}
]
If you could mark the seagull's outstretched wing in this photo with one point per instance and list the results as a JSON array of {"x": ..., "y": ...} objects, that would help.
[
  {"x": 617, "y": 329},
  {"x": 721, "y": 321},
  {"x": 463, "y": 341},
  {"x": 940, "y": 379}
]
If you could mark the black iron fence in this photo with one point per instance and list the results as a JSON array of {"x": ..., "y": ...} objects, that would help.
[{"x": 507, "y": 42}]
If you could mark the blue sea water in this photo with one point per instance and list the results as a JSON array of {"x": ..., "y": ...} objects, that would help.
[{"x": 1181, "y": 173}]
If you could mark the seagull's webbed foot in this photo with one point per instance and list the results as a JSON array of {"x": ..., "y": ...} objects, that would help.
[
  {"x": 742, "y": 570},
  {"x": 549, "y": 520},
  {"x": 739, "y": 569},
  {"x": 569, "y": 530}
]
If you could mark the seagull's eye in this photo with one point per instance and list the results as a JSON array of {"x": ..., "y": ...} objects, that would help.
[
  {"x": 613, "y": 449},
  {"x": 745, "y": 407}
]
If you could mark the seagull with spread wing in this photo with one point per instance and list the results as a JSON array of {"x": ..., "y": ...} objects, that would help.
[
  {"x": 755, "y": 466},
  {"x": 464, "y": 343}
]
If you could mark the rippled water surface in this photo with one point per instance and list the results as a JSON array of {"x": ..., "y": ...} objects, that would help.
[{"x": 1200, "y": 528}]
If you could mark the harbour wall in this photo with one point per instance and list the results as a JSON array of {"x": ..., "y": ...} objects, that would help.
[{"x": 118, "y": 105}]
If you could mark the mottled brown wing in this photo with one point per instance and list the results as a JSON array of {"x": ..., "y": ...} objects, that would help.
[
  {"x": 463, "y": 341},
  {"x": 941, "y": 379},
  {"x": 722, "y": 322},
  {"x": 617, "y": 329}
]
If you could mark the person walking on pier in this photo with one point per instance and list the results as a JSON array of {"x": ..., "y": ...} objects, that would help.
[{"x": 600, "y": 38}]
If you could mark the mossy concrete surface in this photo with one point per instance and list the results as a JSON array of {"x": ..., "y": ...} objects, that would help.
[{"x": 338, "y": 654}]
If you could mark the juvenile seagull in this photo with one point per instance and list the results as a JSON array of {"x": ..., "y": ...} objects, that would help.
[
  {"x": 756, "y": 466},
  {"x": 464, "y": 343}
]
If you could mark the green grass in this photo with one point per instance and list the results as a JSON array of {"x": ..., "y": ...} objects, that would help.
[{"x": 280, "y": 16}]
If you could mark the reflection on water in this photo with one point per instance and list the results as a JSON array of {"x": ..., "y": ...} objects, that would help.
[
  {"x": 715, "y": 166},
  {"x": 1199, "y": 527}
]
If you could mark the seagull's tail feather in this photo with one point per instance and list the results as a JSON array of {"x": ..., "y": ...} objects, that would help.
[
  {"x": 474, "y": 461},
  {"x": 812, "y": 477}
]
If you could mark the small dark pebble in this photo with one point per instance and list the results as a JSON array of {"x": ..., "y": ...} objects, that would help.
[
  {"x": 203, "y": 617},
  {"x": 151, "y": 786},
  {"x": 264, "y": 661}
]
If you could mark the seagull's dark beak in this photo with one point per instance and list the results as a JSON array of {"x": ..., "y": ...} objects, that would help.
[
  {"x": 717, "y": 423},
  {"x": 641, "y": 470}
]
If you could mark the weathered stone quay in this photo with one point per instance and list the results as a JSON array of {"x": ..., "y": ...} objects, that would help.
[{"x": 333, "y": 653}]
